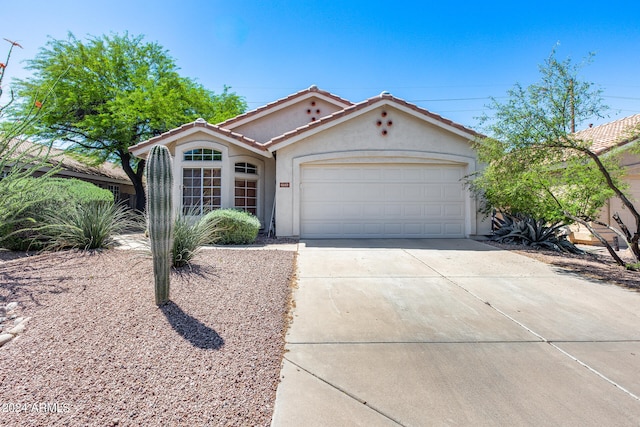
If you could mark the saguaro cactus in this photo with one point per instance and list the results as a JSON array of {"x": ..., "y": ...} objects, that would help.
[{"x": 160, "y": 217}]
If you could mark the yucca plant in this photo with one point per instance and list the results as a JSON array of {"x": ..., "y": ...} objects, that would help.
[
  {"x": 528, "y": 231},
  {"x": 189, "y": 235},
  {"x": 87, "y": 226}
]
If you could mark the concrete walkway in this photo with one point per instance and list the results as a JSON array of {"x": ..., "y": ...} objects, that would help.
[{"x": 454, "y": 332}]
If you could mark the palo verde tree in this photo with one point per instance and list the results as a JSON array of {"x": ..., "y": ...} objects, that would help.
[
  {"x": 536, "y": 166},
  {"x": 112, "y": 92}
]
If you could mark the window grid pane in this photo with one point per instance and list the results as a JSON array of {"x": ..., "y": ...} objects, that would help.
[
  {"x": 246, "y": 197},
  {"x": 202, "y": 154},
  {"x": 243, "y": 167},
  {"x": 201, "y": 193}
]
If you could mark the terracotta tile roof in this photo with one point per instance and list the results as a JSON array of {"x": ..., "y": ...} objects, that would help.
[
  {"x": 311, "y": 89},
  {"x": 361, "y": 105},
  {"x": 613, "y": 134},
  {"x": 199, "y": 123},
  {"x": 59, "y": 158}
]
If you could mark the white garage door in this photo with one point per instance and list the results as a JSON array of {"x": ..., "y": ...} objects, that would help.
[{"x": 382, "y": 200}]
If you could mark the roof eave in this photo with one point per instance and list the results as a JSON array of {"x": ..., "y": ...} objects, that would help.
[{"x": 142, "y": 149}]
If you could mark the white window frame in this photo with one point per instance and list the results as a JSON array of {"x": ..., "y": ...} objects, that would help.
[
  {"x": 202, "y": 208},
  {"x": 226, "y": 175},
  {"x": 249, "y": 173}
]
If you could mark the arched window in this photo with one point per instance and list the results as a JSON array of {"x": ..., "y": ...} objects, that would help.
[{"x": 202, "y": 154}]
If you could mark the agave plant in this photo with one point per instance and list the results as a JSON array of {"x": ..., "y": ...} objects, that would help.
[{"x": 528, "y": 231}]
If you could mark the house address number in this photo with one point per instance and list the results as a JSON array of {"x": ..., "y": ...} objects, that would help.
[{"x": 285, "y": 185}]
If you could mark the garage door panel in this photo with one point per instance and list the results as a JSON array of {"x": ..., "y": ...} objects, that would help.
[
  {"x": 432, "y": 211},
  {"x": 377, "y": 200},
  {"x": 412, "y": 211},
  {"x": 320, "y": 211},
  {"x": 432, "y": 192},
  {"x": 393, "y": 211},
  {"x": 372, "y": 229},
  {"x": 452, "y": 192},
  {"x": 453, "y": 211},
  {"x": 412, "y": 192},
  {"x": 453, "y": 229}
]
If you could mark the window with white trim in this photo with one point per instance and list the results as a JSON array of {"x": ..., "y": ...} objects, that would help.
[
  {"x": 246, "y": 187},
  {"x": 201, "y": 190}
]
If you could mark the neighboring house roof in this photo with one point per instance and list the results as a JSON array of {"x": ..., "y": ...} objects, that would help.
[
  {"x": 347, "y": 109},
  {"x": 200, "y": 125},
  {"x": 259, "y": 112},
  {"x": 105, "y": 171},
  {"x": 384, "y": 97},
  {"x": 614, "y": 134}
]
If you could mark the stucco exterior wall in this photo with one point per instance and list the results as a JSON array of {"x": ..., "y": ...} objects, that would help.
[
  {"x": 383, "y": 134},
  {"x": 287, "y": 118}
]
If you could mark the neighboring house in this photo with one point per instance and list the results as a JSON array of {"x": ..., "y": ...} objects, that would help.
[
  {"x": 107, "y": 175},
  {"x": 319, "y": 166},
  {"x": 618, "y": 134}
]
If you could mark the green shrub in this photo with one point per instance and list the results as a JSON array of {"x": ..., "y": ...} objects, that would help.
[
  {"x": 59, "y": 195},
  {"x": 87, "y": 226},
  {"x": 189, "y": 235},
  {"x": 235, "y": 227}
]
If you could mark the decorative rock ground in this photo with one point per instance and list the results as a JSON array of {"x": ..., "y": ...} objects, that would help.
[{"x": 10, "y": 323}]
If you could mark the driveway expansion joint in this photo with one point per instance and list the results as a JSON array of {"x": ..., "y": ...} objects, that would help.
[{"x": 346, "y": 393}]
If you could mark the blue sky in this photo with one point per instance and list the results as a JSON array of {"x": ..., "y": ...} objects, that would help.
[{"x": 447, "y": 57}]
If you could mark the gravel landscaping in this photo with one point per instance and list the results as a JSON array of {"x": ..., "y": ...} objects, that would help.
[
  {"x": 98, "y": 352},
  {"x": 595, "y": 264}
]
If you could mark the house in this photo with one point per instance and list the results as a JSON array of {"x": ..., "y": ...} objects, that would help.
[
  {"x": 619, "y": 134},
  {"x": 316, "y": 165},
  {"x": 106, "y": 175}
]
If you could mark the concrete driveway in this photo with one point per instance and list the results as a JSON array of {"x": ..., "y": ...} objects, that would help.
[{"x": 454, "y": 332}]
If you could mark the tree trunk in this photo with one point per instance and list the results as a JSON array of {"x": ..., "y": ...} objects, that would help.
[
  {"x": 135, "y": 177},
  {"x": 613, "y": 253},
  {"x": 631, "y": 239}
]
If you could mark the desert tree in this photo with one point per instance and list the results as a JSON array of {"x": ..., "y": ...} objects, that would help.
[
  {"x": 112, "y": 92},
  {"x": 536, "y": 165}
]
